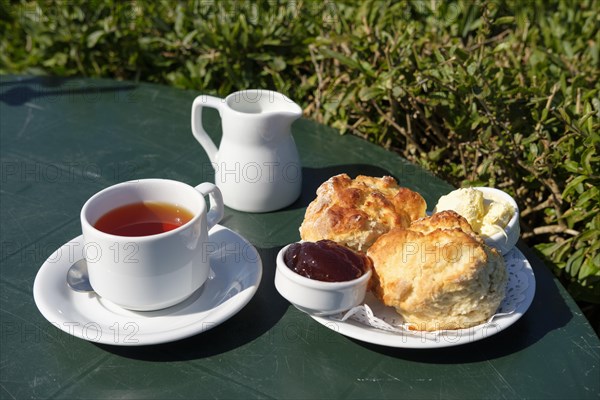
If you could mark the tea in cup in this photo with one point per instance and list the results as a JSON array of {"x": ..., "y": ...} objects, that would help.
[
  {"x": 143, "y": 219},
  {"x": 145, "y": 241}
]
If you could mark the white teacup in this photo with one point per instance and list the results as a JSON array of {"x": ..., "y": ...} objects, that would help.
[{"x": 159, "y": 270}]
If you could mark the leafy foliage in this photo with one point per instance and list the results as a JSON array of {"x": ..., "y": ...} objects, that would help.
[{"x": 501, "y": 93}]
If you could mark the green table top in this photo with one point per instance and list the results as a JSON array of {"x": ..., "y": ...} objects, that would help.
[{"x": 62, "y": 140}]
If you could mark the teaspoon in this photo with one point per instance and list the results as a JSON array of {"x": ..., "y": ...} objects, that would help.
[{"x": 77, "y": 277}]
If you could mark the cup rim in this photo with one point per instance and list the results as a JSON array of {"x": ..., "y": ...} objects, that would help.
[
  {"x": 95, "y": 196},
  {"x": 314, "y": 283}
]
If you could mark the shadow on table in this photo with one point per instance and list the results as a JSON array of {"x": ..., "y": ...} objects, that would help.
[
  {"x": 262, "y": 313},
  {"x": 25, "y": 90},
  {"x": 547, "y": 313},
  {"x": 312, "y": 178}
]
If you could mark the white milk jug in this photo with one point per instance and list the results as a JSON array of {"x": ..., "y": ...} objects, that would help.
[{"x": 257, "y": 167}]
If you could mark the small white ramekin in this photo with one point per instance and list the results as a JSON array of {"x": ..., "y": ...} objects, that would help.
[{"x": 317, "y": 297}]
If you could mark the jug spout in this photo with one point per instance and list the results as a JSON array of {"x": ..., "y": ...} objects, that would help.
[
  {"x": 287, "y": 108},
  {"x": 290, "y": 116}
]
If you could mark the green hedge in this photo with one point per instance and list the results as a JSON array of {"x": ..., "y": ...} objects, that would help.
[{"x": 498, "y": 93}]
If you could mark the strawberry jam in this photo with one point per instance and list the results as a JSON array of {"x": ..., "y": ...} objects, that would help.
[{"x": 326, "y": 261}]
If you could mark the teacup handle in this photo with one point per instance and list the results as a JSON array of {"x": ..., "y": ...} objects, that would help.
[
  {"x": 198, "y": 130},
  {"x": 216, "y": 211}
]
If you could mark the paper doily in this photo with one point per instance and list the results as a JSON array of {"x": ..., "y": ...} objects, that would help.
[{"x": 379, "y": 316}]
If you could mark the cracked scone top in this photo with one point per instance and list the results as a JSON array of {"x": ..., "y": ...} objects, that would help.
[
  {"x": 438, "y": 274},
  {"x": 355, "y": 212}
]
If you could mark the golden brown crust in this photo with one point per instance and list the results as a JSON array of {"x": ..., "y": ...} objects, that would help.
[
  {"x": 356, "y": 212},
  {"x": 443, "y": 220},
  {"x": 410, "y": 202},
  {"x": 437, "y": 274}
]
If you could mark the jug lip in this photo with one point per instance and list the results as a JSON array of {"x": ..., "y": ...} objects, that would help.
[{"x": 261, "y": 101}]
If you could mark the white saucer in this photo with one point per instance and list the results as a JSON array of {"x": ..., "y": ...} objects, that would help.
[
  {"x": 236, "y": 271},
  {"x": 520, "y": 293}
]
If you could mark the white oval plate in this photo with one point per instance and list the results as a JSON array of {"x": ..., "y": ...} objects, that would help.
[
  {"x": 423, "y": 340},
  {"x": 236, "y": 271}
]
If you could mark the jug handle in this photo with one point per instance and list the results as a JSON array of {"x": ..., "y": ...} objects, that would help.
[{"x": 198, "y": 130}]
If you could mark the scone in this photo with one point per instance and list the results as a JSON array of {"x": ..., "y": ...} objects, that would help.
[
  {"x": 438, "y": 274},
  {"x": 355, "y": 212}
]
